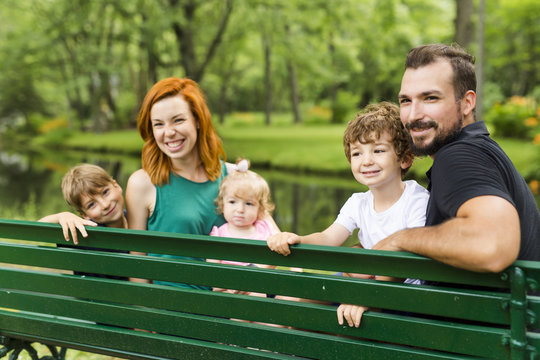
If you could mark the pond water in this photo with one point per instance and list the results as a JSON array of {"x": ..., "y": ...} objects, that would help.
[{"x": 30, "y": 188}]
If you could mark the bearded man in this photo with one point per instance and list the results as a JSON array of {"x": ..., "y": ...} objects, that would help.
[{"x": 481, "y": 215}]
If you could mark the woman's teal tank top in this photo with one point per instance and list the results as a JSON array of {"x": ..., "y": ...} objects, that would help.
[{"x": 187, "y": 207}]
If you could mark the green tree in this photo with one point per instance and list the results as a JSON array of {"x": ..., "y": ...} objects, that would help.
[
  {"x": 463, "y": 23},
  {"x": 21, "y": 70},
  {"x": 513, "y": 55},
  {"x": 187, "y": 23}
]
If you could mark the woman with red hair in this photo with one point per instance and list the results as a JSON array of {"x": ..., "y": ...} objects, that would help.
[{"x": 182, "y": 163}]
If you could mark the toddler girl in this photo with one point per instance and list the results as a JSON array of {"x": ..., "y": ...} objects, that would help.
[{"x": 244, "y": 201}]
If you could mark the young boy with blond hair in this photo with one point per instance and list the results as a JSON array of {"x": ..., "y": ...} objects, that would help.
[
  {"x": 377, "y": 147},
  {"x": 95, "y": 195},
  {"x": 98, "y": 198}
]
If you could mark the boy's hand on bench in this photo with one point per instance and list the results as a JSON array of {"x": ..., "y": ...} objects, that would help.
[
  {"x": 280, "y": 242},
  {"x": 351, "y": 313},
  {"x": 70, "y": 224}
]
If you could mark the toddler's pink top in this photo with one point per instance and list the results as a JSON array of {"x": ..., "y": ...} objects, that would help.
[{"x": 262, "y": 231}]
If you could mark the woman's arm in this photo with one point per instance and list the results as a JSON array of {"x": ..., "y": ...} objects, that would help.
[{"x": 140, "y": 201}]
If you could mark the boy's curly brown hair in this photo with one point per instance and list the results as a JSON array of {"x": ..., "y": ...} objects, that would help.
[{"x": 367, "y": 126}]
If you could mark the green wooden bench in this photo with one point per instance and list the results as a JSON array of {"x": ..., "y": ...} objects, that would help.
[{"x": 486, "y": 316}]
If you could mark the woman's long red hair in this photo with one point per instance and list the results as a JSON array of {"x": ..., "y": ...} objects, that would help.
[{"x": 154, "y": 161}]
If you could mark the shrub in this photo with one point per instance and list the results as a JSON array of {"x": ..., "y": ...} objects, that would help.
[
  {"x": 54, "y": 131},
  {"x": 52, "y": 125},
  {"x": 317, "y": 114},
  {"x": 516, "y": 118},
  {"x": 345, "y": 106}
]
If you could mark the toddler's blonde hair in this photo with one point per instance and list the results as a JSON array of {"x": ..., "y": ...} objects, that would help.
[{"x": 246, "y": 185}]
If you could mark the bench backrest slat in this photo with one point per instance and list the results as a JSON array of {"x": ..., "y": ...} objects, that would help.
[
  {"x": 480, "y": 305},
  {"x": 305, "y": 256}
]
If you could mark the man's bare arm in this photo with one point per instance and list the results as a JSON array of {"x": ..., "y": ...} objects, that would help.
[{"x": 484, "y": 236}]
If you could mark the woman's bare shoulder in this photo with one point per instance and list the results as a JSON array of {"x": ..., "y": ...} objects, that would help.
[
  {"x": 139, "y": 180},
  {"x": 140, "y": 199}
]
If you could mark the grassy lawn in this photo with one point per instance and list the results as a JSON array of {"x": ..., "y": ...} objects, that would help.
[{"x": 311, "y": 148}]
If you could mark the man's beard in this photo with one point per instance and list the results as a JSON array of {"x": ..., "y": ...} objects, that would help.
[{"x": 438, "y": 141}]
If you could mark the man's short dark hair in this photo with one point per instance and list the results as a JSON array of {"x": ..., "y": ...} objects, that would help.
[{"x": 462, "y": 64}]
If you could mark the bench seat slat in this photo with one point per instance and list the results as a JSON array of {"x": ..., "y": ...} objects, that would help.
[
  {"x": 468, "y": 339},
  {"x": 107, "y": 340},
  {"x": 98, "y": 338}
]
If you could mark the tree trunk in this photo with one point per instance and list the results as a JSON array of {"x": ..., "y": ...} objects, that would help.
[
  {"x": 267, "y": 82},
  {"x": 222, "y": 109},
  {"x": 334, "y": 87},
  {"x": 295, "y": 94},
  {"x": 464, "y": 27},
  {"x": 186, "y": 33},
  {"x": 293, "y": 81},
  {"x": 295, "y": 207},
  {"x": 184, "y": 36},
  {"x": 480, "y": 61}
]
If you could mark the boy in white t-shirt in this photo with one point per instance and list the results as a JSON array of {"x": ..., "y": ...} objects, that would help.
[{"x": 377, "y": 147}]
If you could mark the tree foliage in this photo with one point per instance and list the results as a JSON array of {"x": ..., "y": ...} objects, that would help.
[
  {"x": 513, "y": 53},
  {"x": 91, "y": 62}
]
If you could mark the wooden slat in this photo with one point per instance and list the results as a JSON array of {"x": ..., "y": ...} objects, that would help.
[
  {"x": 306, "y": 256},
  {"x": 408, "y": 330},
  {"x": 115, "y": 341},
  {"x": 106, "y": 339},
  {"x": 467, "y": 304}
]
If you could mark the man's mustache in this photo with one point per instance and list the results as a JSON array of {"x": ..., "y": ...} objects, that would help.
[{"x": 421, "y": 125}]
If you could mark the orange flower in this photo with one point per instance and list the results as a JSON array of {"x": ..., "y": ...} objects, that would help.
[
  {"x": 534, "y": 185},
  {"x": 518, "y": 100},
  {"x": 53, "y": 125},
  {"x": 531, "y": 122},
  {"x": 536, "y": 140}
]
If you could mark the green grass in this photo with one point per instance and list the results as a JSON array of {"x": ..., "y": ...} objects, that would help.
[
  {"x": 288, "y": 147},
  {"x": 310, "y": 148},
  {"x": 124, "y": 141}
]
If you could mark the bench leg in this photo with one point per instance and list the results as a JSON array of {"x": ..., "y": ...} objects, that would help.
[{"x": 16, "y": 346}]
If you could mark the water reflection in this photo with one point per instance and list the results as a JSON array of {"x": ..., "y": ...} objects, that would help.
[
  {"x": 21, "y": 182},
  {"x": 30, "y": 188}
]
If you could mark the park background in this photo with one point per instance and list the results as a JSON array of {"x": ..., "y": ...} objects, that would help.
[{"x": 282, "y": 78}]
